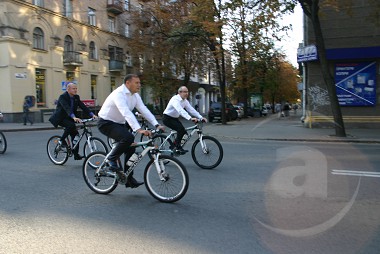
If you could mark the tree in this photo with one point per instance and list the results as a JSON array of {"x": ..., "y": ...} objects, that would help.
[
  {"x": 311, "y": 9},
  {"x": 254, "y": 27}
]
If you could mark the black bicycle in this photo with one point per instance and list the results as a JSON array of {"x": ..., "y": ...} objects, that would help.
[
  {"x": 59, "y": 154},
  {"x": 3, "y": 143}
]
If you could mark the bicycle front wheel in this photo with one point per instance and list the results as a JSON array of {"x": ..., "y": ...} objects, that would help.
[
  {"x": 209, "y": 155},
  {"x": 56, "y": 153},
  {"x": 3, "y": 143},
  {"x": 96, "y": 145},
  {"x": 172, "y": 181},
  {"x": 102, "y": 181}
]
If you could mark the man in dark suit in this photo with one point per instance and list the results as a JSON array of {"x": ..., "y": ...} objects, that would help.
[{"x": 65, "y": 115}]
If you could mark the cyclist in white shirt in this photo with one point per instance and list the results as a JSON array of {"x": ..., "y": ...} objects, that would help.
[
  {"x": 180, "y": 106},
  {"x": 116, "y": 119}
]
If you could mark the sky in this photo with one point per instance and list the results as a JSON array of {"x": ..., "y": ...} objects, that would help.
[{"x": 289, "y": 44}]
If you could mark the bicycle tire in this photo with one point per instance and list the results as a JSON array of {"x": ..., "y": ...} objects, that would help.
[
  {"x": 106, "y": 181},
  {"x": 57, "y": 154},
  {"x": 97, "y": 145},
  {"x": 175, "y": 184},
  {"x": 3, "y": 143},
  {"x": 207, "y": 159},
  {"x": 110, "y": 142}
]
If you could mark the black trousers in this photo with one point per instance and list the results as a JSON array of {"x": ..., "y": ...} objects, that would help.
[
  {"x": 120, "y": 133},
  {"x": 175, "y": 124},
  {"x": 70, "y": 129}
]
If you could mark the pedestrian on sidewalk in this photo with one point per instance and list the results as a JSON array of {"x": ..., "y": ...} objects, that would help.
[{"x": 25, "y": 110}]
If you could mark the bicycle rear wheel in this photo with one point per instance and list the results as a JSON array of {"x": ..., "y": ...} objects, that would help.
[
  {"x": 210, "y": 156},
  {"x": 97, "y": 145},
  {"x": 3, "y": 143},
  {"x": 57, "y": 154},
  {"x": 164, "y": 147},
  {"x": 171, "y": 184},
  {"x": 104, "y": 181}
]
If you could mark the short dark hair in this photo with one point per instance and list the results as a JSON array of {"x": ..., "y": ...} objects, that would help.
[{"x": 129, "y": 77}]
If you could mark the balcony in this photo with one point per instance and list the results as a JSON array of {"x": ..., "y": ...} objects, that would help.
[
  {"x": 116, "y": 65},
  {"x": 115, "y": 6},
  {"x": 72, "y": 58}
]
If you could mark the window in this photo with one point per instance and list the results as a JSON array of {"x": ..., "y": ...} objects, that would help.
[
  {"x": 93, "y": 53},
  {"x": 38, "y": 38},
  {"x": 68, "y": 44},
  {"x": 128, "y": 60},
  {"x": 91, "y": 17},
  {"x": 93, "y": 87},
  {"x": 113, "y": 83},
  {"x": 68, "y": 8},
  {"x": 40, "y": 87},
  {"x": 39, "y": 3},
  {"x": 126, "y": 5},
  {"x": 111, "y": 24},
  {"x": 115, "y": 53},
  {"x": 127, "y": 30}
]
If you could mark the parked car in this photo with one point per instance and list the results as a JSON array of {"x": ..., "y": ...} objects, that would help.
[
  {"x": 264, "y": 111},
  {"x": 215, "y": 112},
  {"x": 240, "y": 111},
  {"x": 1, "y": 116}
]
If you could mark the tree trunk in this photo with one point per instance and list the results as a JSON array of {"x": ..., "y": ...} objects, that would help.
[{"x": 327, "y": 76}]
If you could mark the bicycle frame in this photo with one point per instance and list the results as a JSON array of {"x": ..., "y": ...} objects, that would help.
[
  {"x": 193, "y": 129},
  {"x": 147, "y": 149},
  {"x": 86, "y": 132}
]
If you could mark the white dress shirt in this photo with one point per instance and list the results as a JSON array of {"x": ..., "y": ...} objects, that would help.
[
  {"x": 176, "y": 107},
  {"x": 119, "y": 105}
]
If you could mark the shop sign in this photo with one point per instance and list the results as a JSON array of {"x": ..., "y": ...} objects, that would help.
[
  {"x": 308, "y": 53},
  {"x": 356, "y": 83}
]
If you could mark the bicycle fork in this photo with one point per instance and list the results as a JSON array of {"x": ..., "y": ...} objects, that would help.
[
  {"x": 203, "y": 144},
  {"x": 160, "y": 167}
]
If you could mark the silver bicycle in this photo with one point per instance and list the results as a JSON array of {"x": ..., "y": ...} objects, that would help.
[
  {"x": 165, "y": 177},
  {"x": 207, "y": 152}
]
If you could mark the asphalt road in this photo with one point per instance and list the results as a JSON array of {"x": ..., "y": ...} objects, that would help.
[{"x": 265, "y": 197}]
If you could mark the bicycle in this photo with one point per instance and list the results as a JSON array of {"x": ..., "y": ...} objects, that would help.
[
  {"x": 59, "y": 154},
  {"x": 207, "y": 152},
  {"x": 165, "y": 177},
  {"x": 3, "y": 143}
]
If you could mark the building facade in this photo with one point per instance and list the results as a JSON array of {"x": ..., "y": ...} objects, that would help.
[
  {"x": 45, "y": 44},
  {"x": 352, "y": 40}
]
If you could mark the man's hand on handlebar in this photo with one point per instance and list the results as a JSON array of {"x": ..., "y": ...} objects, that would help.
[
  {"x": 144, "y": 132},
  {"x": 77, "y": 120}
]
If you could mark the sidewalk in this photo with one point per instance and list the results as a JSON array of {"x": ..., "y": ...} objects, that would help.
[{"x": 262, "y": 128}]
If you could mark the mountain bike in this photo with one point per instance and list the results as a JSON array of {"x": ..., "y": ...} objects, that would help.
[
  {"x": 165, "y": 177},
  {"x": 59, "y": 154},
  {"x": 3, "y": 143},
  {"x": 207, "y": 152}
]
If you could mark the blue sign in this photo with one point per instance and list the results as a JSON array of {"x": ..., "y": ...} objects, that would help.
[
  {"x": 308, "y": 53},
  {"x": 356, "y": 83}
]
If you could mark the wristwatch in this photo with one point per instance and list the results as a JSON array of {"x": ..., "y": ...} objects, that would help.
[{"x": 156, "y": 125}]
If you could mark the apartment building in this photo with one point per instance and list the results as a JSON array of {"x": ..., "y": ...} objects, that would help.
[
  {"x": 44, "y": 44},
  {"x": 352, "y": 39}
]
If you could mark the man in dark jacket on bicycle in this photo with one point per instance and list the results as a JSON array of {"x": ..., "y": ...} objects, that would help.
[{"x": 65, "y": 115}]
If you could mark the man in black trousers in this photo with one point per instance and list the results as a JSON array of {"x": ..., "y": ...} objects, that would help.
[{"x": 65, "y": 115}]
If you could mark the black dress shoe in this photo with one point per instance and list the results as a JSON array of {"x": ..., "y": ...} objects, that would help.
[
  {"x": 133, "y": 183},
  {"x": 78, "y": 157}
]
